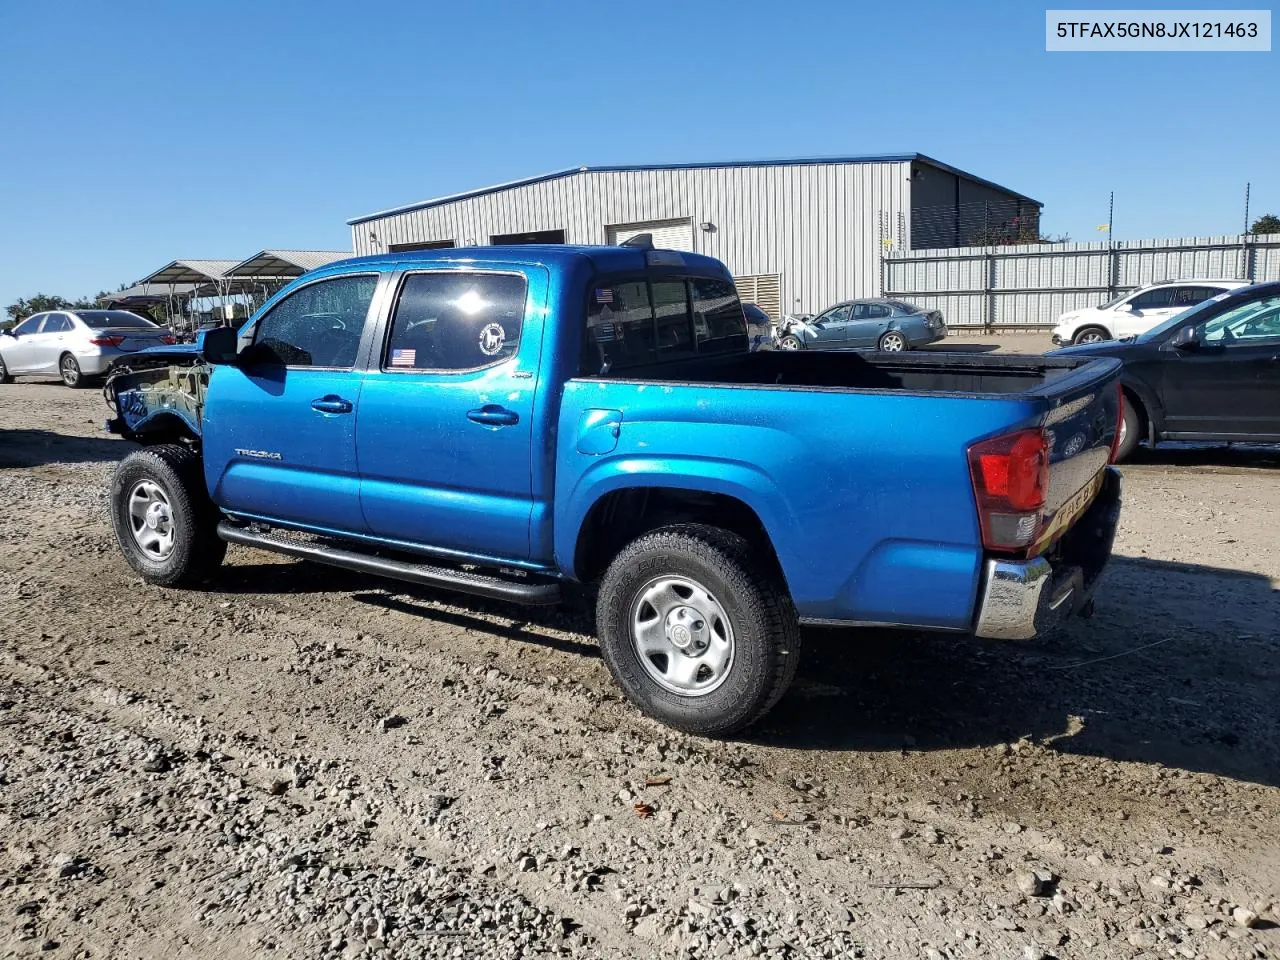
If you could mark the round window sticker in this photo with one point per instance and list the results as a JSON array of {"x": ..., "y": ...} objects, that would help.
[{"x": 492, "y": 337}]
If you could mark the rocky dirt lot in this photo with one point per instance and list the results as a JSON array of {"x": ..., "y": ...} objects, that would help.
[{"x": 301, "y": 762}]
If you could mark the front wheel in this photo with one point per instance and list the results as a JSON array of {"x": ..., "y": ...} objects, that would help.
[
  {"x": 1091, "y": 335},
  {"x": 893, "y": 342},
  {"x": 790, "y": 342},
  {"x": 164, "y": 521},
  {"x": 697, "y": 632},
  {"x": 1130, "y": 429},
  {"x": 4, "y": 373}
]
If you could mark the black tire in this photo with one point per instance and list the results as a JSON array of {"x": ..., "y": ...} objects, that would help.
[
  {"x": 69, "y": 371},
  {"x": 765, "y": 631},
  {"x": 196, "y": 549},
  {"x": 4, "y": 373},
  {"x": 790, "y": 342},
  {"x": 893, "y": 341},
  {"x": 1091, "y": 335},
  {"x": 1130, "y": 429}
]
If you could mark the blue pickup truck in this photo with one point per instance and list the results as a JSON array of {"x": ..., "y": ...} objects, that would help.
[{"x": 506, "y": 421}]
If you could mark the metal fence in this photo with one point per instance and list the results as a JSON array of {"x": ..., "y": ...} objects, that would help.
[{"x": 1027, "y": 286}]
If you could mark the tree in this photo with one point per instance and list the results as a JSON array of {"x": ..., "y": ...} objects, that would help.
[
  {"x": 20, "y": 309},
  {"x": 1267, "y": 223}
]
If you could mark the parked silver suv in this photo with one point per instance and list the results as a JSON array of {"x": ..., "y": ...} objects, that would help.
[{"x": 75, "y": 344}]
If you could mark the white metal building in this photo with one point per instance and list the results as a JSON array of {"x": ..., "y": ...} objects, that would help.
[{"x": 798, "y": 234}]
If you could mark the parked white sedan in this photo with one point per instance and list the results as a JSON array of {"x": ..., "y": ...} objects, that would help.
[
  {"x": 1138, "y": 310},
  {"x": 74, "y": 344}
]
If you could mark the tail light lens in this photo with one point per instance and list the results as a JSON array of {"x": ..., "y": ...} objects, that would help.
[
  {"x": 107, "y": 341},
  {"x": 1010, "y": 479},
  {"x": 168, "y": 339},
  {"x": 1115, "y": 439}
]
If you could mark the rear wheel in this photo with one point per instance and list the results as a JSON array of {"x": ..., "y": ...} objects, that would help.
[
  {"x": 697, "y": 632},
  {"x": 1130, "y": 428},
  {"x": 893, "y": 342},
  {"x": 69, "y": 370},
  {"x": 1091, "y": 335},
  {"x": 4, "y": 373},
  {"x": 164, "y": 521}
]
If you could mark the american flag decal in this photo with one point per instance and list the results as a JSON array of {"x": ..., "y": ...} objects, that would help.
[
  {"x": 404, "y": 358},
  {"x": 604, "y": 294},
  {"x": 605, "y": 333}
]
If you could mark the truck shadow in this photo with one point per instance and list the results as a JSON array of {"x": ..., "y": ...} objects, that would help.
[
  {"x": 36, "y": 448},
  {"x": 1260, "y": 455},
  {"x": 1180, "y": 666}
]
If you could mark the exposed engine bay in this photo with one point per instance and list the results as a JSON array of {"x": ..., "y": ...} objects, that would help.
[{"x": 160, "y": 393}]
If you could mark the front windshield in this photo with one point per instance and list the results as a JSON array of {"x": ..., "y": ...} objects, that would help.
[
  {"x": 1178, "y": 319},
  {"x": 1113, "y": 301}
]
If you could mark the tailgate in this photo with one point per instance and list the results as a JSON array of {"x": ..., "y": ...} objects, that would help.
[
  {"x": 134, "y": 338},
  {"x": 1081, "y": 428}
]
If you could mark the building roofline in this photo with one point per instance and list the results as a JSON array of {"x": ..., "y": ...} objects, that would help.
[{"x": 627, "y": 168}]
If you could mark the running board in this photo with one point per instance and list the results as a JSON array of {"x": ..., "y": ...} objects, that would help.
[{"x": 534, "y": 592}]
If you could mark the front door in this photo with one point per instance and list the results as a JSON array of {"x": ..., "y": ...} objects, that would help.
[
  {"x": 1140, "y": 313},
  {"x": 445, "y": 428},
  {"x": 280, "y": 428},
  {"x": 1228, "y": 383},
  {"x": 22, "y": 349},
  {"x": 831, "y": 329}
]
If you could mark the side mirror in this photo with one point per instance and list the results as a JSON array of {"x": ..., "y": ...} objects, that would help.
[
  {"x": 218, "y": 346},
  {"x": 1185, "y": 339}
]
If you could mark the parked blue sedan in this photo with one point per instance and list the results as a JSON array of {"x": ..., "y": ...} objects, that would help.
[{"x": 889, "y": 325}]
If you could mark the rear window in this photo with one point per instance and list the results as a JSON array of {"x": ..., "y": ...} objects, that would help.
[
  {"x": 454, "y": 321},
  {"x": 101, "y": 319},
  {"x": 631, "y": 323}
]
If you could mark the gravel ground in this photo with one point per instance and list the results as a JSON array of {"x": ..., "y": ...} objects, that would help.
[{"x": 303, "y": 762}]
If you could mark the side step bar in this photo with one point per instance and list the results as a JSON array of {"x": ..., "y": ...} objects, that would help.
[{"x": 536, "y": 592}]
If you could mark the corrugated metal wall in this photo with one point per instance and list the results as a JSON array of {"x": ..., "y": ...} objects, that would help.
[
  {"x": 1029, "y": 286},
  {"x": 819, "y": 226}
]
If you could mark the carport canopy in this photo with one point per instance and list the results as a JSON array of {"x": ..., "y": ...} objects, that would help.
[
  {"x": 198, "y": 272},
  {"x": 284, "y": 264}
]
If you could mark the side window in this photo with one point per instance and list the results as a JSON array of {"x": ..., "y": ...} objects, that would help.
[
  {"x": 877, "y": 311},
  {"x": 1156, "y": 299},
  {"x": 718, "y": 321},
  {"x": 455, "y": 321},
  {"x": 619, "y": 327},
  {"x": 1248, "y": 325},
  {"x": 318, "y": 325},
  {"x": 1184, "y": 297},
  {"x": 838, "y": 314},
  {"x": 30, "y": 325},
  {"x": 57, "y": 323}
]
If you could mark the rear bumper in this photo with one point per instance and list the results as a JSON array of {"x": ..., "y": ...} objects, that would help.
[{"x": 1023, "y": 598}]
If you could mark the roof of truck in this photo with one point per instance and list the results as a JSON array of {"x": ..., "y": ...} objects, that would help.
[{"x": 604, "y": 258}]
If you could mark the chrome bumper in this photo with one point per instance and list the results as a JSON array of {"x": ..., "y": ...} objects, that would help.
[{"x": 1022, "y": 598}]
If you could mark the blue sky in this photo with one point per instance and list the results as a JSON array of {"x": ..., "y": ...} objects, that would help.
[{"x": 132, "y": 133}]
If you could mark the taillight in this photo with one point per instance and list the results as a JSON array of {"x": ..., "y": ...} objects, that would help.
[
  {"x": 1010, "y": 479},
  {"x": 1115, "y": 439},
  {"x": 168, "y": 339},
  {"x": 107, "y": 341}
]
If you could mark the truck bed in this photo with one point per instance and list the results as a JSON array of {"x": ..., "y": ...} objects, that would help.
[{"x": 951, "y": 373}]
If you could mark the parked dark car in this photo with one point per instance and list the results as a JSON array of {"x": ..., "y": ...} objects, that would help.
[
  {"x": 1209, "y": 373},
  {"x": 759, "y": 327},
  {"x": 888, "y": 325}
]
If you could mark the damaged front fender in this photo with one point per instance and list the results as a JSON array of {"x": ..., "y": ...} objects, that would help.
[{"x": 157, "y": 395}]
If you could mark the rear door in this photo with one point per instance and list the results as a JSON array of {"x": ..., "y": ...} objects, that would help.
[
  {"x": 53, "y": 340},
  {"x": 867, "y": 323},
  {"x": 280, "y": 428},
  {"x": 445, "y": 428},
  {"x": 1228, "y": 384}
]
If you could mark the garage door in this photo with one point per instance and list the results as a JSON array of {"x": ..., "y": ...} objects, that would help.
[
  {"x": 667, "y": 234},
  {"x": 764, "y": 290}
]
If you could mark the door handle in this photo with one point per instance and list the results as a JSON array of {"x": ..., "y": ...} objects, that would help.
[
  {"x": 493, "y": 415},
  {"x": 331, "y": 404}
]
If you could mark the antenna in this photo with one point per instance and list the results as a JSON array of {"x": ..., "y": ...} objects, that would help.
[{"x": 641, "y": 241}]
